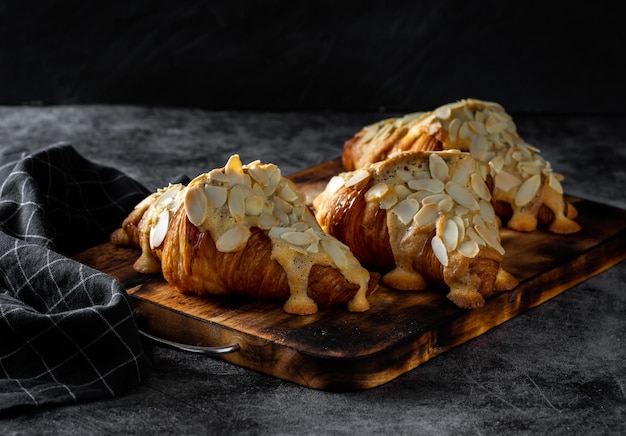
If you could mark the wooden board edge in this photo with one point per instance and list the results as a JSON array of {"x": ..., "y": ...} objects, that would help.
[{"x": 345, "y": 374}]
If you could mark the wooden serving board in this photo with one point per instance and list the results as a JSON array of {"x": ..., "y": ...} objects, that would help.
[{"x": 342, "y": 351}]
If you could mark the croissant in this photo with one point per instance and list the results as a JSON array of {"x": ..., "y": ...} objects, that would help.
[
  {"x": 244, "y": 229},
  {"x": 421, "y": 218},
  {"x": 526, "y": 191}
]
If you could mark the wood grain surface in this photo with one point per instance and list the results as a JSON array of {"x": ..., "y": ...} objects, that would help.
[{"x": 341, "y": 351}]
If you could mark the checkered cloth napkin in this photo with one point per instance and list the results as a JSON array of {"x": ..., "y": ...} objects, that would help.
[{"x": 67, "y": 332}]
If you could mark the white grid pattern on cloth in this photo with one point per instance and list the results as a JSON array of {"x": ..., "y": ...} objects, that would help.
[{"x": 67, "y": 331}]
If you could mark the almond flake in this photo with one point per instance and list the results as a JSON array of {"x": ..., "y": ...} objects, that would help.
[
  {"x": 388, "y": 202},
  {"x": 234, "y": 170},
  {"x": 233, "y": 239},
  {"x": 158, "y": 231},
  {"x": 506, "y": 181},
  {"x": 464, "y": 170},
  {"x": 236, "y": 202},
  {"x": 528, "y": 190},
  {"x": 335, "y": 251},
  {"x": 357, "y": 176},
  {"x": 439, "y": 249},
  {"x": 468, "y": 249},
  {"x": 438, "y": 167},
  {"x": 443, "y": 113},
  {"x": 259, "y": 175},
  {"x": 406, "y": 210},
  {"x": 377, "y": 191},
  {"x": 254, "y": 205},
  {"x": 480, "y": 187},
  {"x": 298, "y": 238},
  {"x": 450, "y": 235},
  {"x": 196, "y": 205},
  {"x": 462, "y": 195},
  {"x": 431, "y": 185},
  {"x": 216, "y": 195},
  {"x": 426, "y": 215}
]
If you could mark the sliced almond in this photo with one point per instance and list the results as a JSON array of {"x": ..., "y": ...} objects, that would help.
[
  {"x": 278, "y": 231},
  {"x": 282, "y": 217},
  {"x": 218, "y": 175},
  {"x": 450, "y": 235},
  {"x": 406, "y": 210},
  {"x": 167, "y": 196},
  {"x": 479, "y": 147},
  {"x": 267, "y": 221},
  {"x": 497, "y": 163},
  {"x": 259, "y": 174},
  {"x": 431, "y": 185},
  {"x": 254, "y": 205},
  {"x": 446, "y": 205},
  {"x": 468, "y": 249},
  {"x": 491, "y": 238},
  {"x": 453, "y": 130},
  {"x": 435, "y": 198},
  {"x": 234, "y": 170},
  {"x": 465, "y": 132},
  {"x": 402, "y": 191},
  {"x": 216, "y": 195},
  {"x": 376, "y": 192},
  {"x": 506, "y": 181},
  {"x": 464, "y": 170},
  {"x": 480, "y": 187},
  {"x": 357, "y": 177},
  {"x": 474, "y": 236},
  {"x": 335, "y": 251},
  {"x": 298, "y": 238},
  {"x": 282, "y": 205},
  {"x": 196, "y": 205},
  {"x": 158, "y": 231},
  {"x": 427, "y": 215},
  {"x": 233, "y": 239},
  {"x": 236, "y": 202},
  {"x": 439, "y": 249},
  {"x": 494, "y": 124},
  {"x": 460, "y": 225},
  {"x": 486, "y": 211},
  {"x": 443, "y": 112},
  {"x": 462, "y": 195},
  {"x": 274, "y": 176},
  {"x": 438, "y": 167},
  {"x": 389, "y": 201},
  {"x": 288, "y": 192},
  {"x": 528, "y": 190}
]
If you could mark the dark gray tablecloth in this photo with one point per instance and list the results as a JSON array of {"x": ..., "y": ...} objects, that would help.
[{"x": 556, "y": 369}]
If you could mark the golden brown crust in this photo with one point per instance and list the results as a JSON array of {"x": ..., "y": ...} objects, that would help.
[
  {"x": 244, "y": 230},
  {"x": 345, "y": 212},
  {"x": 488, "y": 132},
  {"x": 191, "y": 262}
]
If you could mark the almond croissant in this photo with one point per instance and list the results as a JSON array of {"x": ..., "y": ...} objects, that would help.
[
  {"x": 421, "y": 218},
  {"x": 244, "y": 229},
  {"x": 526, "y": 191}
]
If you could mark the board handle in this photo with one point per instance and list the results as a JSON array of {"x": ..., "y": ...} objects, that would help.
[{"x": 207, "y": 351}]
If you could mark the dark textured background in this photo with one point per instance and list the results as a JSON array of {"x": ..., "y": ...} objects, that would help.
[
  {"x": 288, "y": 82},
  {"x": 545, "y": 57}
]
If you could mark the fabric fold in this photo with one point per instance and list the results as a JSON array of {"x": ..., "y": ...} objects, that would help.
[{"x": 67, "y": 332}]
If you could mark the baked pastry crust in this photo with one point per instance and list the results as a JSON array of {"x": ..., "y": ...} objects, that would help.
[
  {"x": 421, "y": 218},
  {"x": 527, "y": 192},
  {"x": 245, "y": 229}
]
